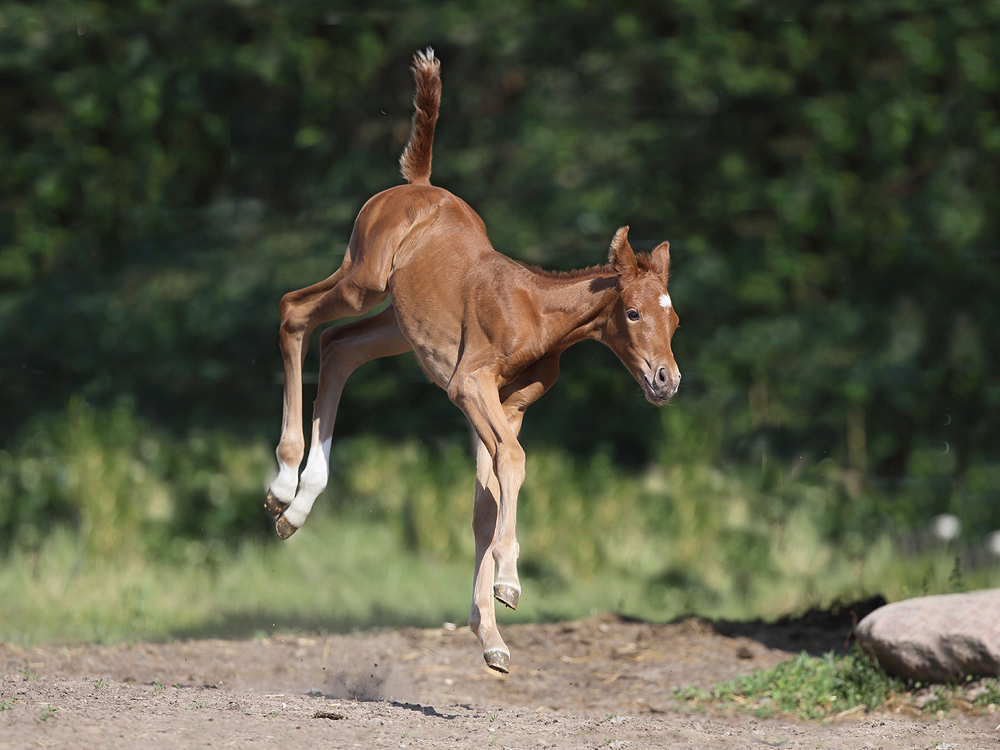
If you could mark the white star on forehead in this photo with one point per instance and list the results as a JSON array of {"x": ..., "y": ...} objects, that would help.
[{"x": 665, "y": 300}]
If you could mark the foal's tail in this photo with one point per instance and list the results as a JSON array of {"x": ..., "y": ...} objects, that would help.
[{"x": 415, "y": 163}]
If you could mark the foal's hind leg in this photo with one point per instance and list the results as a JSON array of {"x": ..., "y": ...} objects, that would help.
[
  {"x": 343, "y": 349},
  {"x": 336, "y": 297},
  {"x": 298, "y": 320}
]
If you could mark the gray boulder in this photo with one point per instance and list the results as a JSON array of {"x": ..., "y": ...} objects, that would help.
[{"x": 936, "y": 638}]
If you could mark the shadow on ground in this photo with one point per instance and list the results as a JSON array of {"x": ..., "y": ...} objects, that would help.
[{"x": 817, "y": 631}]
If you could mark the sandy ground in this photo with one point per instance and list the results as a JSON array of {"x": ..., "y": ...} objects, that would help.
[{"x": 604, "y": 682}]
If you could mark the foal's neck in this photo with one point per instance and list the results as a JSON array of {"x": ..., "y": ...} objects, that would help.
[{"x": 573, "y": 306}]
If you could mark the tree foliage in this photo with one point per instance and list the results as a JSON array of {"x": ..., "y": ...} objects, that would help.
[{"x": 827, "y": 175}]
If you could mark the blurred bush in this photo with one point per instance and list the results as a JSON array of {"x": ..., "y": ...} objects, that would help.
[
  {"x": 101, "y": 489},
  {"x": 126, "y": 488}
]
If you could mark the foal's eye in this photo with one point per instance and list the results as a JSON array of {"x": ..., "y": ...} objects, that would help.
[{"x": 632, "y": 315}]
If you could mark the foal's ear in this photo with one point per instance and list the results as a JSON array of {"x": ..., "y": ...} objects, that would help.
[
  {"x": 621, "y": 257},
  {"x": 659, "y": 261}
]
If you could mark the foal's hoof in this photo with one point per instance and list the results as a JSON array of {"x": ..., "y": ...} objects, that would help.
[
  {"x": 497, "y": 659},
  {"x": 273, "y": 505},
  {"x": 284, "y": 528},
  {"x": 506, "y": 594}
]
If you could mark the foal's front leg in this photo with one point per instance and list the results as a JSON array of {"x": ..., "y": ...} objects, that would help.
[
  {"x": 518, "y": 396},
  {"x": 505, "y": 549},
  {"x": 482, "y": 618},
  {"x": 495, "y": 508}
]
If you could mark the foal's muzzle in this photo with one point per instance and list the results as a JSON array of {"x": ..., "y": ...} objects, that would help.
[{"x": 661, "y": 386}]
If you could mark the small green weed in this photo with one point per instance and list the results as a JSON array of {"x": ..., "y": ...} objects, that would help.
[
  {"x": 98, "y": 684},
  {"x": 805, "y": 686},
  {"x": 941, "y": 699},
  {"x": 976, "y": 696},
  {"x": 27, "y": 673},
  {"x": 158, "y": 686},
  {"x": 7, "y": 705},
  {"x": 989, "y": 695},
  {"x": 47, "y": 713}
]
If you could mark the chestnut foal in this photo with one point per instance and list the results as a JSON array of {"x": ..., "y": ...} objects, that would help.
[{"x": 485, "y": 328}]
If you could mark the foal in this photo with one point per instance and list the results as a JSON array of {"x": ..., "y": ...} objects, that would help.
[{"x": 485, "y": 328}]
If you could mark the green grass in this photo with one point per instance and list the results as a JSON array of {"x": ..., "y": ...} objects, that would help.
[
  {"x": 811, "y": 687},
  {"x": 333, "y": 576},
  {"x": 110, "y": 531},
  {"x": 342, "y": 572},
  {"x": 805, "y": 686}
]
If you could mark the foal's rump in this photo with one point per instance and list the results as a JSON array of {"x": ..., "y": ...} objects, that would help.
[{"x": 406, "y": 220}]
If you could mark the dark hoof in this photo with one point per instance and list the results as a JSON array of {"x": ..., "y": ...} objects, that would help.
[
  {"x": 506, "y": 594},
  {"x": 498, "y": 660},
  {"x": 284, "y": 528},
  {"x": 273, "y": 505}
]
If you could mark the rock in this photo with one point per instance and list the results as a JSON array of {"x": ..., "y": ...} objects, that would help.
[{"x": 936, "y": 638}]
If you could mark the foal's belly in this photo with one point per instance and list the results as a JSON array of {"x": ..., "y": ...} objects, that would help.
[
  {"x": 432, "y": 328},
  {"x": 445, "y": 296}
]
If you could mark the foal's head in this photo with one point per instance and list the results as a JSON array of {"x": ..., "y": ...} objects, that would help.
[{"x": 643, "y": 320}]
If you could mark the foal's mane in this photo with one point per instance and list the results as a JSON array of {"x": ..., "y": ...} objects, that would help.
[{"x": 592, "y": 272}]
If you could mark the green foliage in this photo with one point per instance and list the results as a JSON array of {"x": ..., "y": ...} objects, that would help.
[
  {"x": 126, "y": 487},
  {"x": 424, "y": 496},
  {"x": 826, "y": 175},
  {"x": 122, "y": 117},
  {"x": 158, "y": 536},
  {"x": 821, "y": 687},
  {"x": 973, "y": 695},
  {"x": 989, "y": 695},
  {"x": 720, "y": 532},
  {"x": 805, "y": 686}
]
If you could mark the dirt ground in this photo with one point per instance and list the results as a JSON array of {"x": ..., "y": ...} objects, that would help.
[{"x": 603, "y": 682}]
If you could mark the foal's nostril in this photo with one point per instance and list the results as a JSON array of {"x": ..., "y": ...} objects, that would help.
[{"x": 661, "y": 377}]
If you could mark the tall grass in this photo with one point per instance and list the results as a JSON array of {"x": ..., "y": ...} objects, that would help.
[{"x": 111, "y": 531}]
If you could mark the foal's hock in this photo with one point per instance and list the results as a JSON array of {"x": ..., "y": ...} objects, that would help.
[{"x": 485, "y": 328}]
